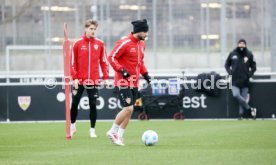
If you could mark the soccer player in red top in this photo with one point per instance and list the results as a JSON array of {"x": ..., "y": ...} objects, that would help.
[
  {"x": 127, "y": 59},
  {"x": 88, "y": 54}
]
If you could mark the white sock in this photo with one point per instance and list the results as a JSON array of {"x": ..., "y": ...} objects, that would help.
[
  {"x": 121, "y": 132},
  {"x": 92, "y": 130},
  {"x": 73, "y": 124},
  {"x": 114, "y": 128}
]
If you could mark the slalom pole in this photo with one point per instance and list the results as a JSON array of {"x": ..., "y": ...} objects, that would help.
[{"x": 67, "y": 78}]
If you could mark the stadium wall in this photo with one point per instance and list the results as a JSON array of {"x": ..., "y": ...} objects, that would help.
[{"x": 36, "y": 103}]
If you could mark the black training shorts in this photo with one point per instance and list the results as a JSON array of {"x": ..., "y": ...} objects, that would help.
[{"x": 127, "y": 95}]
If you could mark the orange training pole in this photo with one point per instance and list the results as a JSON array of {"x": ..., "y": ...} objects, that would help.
[{"x": 67, "y": 86}]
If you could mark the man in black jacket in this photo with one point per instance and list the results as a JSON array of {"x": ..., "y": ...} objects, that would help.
[{"x": 241, "y": 65}]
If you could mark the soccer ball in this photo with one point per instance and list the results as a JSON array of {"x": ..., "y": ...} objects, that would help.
[{"x": 149, "y": 138}]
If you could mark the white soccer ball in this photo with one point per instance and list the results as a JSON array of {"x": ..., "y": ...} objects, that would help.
[{"x": 149, "y": 138}]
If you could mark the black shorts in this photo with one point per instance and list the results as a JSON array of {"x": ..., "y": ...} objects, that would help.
[{"x": 127, "y": 95}]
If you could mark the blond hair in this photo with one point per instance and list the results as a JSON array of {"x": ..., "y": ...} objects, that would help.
[{"x": 90, "y": 22}]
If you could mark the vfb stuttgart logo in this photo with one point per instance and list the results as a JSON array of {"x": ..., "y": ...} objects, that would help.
[{"x": 24, "y": 102}]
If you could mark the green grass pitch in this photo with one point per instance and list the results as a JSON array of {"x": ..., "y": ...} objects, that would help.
[{"x": 180, "y": 142}]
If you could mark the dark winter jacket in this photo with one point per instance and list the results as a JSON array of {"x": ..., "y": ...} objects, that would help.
[{"x": 241, "y": 65}]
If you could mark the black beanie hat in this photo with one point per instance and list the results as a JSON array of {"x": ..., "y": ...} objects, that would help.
[
  {"x": 140, "y": 26},
  {"x": 242, "y": 40}
]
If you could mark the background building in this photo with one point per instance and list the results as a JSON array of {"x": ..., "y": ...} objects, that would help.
[{"x": 184, "y": 34}]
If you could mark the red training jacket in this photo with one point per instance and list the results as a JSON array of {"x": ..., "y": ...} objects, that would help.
[
  {"x": 128, "y": 53},
  {"x": 87, "y": 55}
]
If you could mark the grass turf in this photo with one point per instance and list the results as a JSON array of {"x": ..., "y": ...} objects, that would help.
[{"x": 180, "y": 142}]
